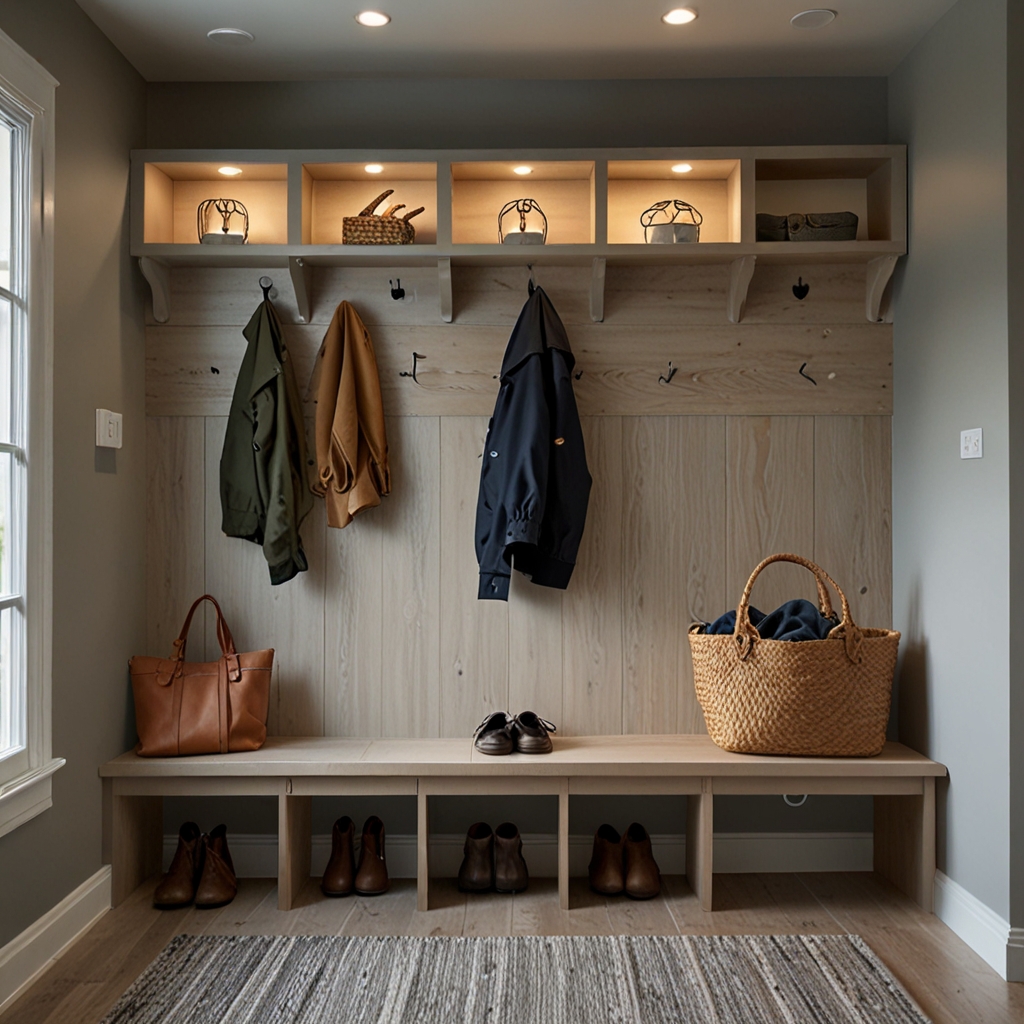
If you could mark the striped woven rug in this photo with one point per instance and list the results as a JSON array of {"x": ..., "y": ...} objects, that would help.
[{"x": 825, "y": 979}]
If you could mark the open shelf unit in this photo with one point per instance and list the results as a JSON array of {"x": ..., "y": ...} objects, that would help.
[{"x": 592, "y": 199}]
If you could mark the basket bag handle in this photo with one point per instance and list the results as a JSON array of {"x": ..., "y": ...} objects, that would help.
[
  {"x": 747, "y": 636},
  {"x": 224, "y": 638}
]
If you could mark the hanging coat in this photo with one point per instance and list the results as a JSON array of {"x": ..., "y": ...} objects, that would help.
[
  {"x": 351, "y": 444},
  {"x": 263, "y": 490},
  {"x": 534, "y": 482}
]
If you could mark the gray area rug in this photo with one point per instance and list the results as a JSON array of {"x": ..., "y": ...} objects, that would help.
[{"x": 825, "y": 979}]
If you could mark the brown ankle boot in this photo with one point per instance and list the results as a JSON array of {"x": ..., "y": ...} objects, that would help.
[
  {"x": 178, "y": 887},
  {"x": 477, "y": 871},
  {"x": 510, "y": 873},
  {"x": 217, "y": 884},
  {"x": 643, "y": 880},
  {"x": 372, "y": 873},
  {"x": 339, "y": 876},
  {"x": 605, "y": 869}
]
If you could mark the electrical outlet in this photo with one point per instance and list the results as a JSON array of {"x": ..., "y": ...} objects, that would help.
[
  {"x": 970, "y": 444},
  {"x": 108, "y": 429}
]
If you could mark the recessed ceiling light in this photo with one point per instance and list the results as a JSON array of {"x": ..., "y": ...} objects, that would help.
[
  {"x": 373, "y": 19},
  {"x": 230, "y": 36},
  {"x": 818, "y": 18},
  {"x": 680, "y": 16},
  {"x": 682, "y": 168},
  {"x": 373, "y": 168},
  {"x": 522, "y": 170},
  {"x": 229, "y": 172}
]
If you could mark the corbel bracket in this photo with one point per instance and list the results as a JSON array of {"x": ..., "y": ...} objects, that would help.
[
  {"x": 740, "y": 274},
  {"x": 158, "y": 276},
  {"x": 879, "y": 273},
  {"x": 597, "y": 274},
  {"x": 302, "y": 282},
  {"x": 444, "y": 287}
]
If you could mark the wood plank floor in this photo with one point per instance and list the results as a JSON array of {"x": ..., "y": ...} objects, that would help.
[{"x": 949, "y": 981}]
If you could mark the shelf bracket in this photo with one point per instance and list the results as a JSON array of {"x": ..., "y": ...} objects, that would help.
[
  {"x": 444, "y": 287},
  {"x": 597, "y": 289},
  {"x": 158, "y": 275},
  {"x": 302, "y": 281},
  {"x": 740, "y": 274},
  {"x": 879, "y": 272}
]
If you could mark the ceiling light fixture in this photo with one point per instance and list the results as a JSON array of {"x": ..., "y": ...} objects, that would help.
[
  {"x": 229, "y": 172},
  {"x": 230, "y": 36},
  {"x": 817, "y": 18},
  {"x": 680, "y": 16},
  {"x": 682, "y": 168},
  {"x": 373, "y": 19},
  {"x": 522, "y": 170},
  {"x": 373, "y": 168}
]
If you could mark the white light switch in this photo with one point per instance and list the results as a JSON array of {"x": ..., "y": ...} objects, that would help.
[
  {"x": 970, "y": 444},
  {"x": 108, "y": 429}
]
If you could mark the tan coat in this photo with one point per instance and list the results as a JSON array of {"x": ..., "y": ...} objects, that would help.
[{"x": 351, "y": 444}]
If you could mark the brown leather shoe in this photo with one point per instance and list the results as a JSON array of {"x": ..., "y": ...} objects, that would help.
[
  {"x": 530, "y": 732},
  {"x": 340, "y": 873},
  {"x": 372, "y": 873},
  {"x": 643, "y": 880},
  {"x": 477, "y": 871},
  {"x": 605, "y": 869},
  {"x": 217, "y": 884},
  {"x": 510, "y": 874},
  {"x": 178, "y": 886},
  {"x": 494, "y": 734}
]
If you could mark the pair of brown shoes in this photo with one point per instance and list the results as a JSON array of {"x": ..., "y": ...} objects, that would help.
[
  {"x": 201, "y": 871},
  {"x": 493, "y": 860},
  {"x": 527, "y": 733},
  {"x": 624, "y": 863},
  {"x": 342, "y": 877}
]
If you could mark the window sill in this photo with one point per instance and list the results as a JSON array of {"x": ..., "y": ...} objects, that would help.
[{"x": 27, "y": 795}]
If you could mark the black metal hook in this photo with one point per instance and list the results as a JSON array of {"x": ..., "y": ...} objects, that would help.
[
  {"x": 397, "y": 291},
  {"x": 416, "y": 357},
  {"x": 662, "y": 379},
  {"x": 531, "y": 287},
  {"x": 800, "y": 289},
  {"x": 802, "y": 374},
  {"x": 266, "y": 287},
  {"x": 576, "y": 376}
]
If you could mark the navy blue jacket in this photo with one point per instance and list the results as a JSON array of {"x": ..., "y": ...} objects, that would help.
[{"x": 534, "y": 481}]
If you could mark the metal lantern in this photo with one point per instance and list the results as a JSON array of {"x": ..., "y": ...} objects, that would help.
[
  {"x": 669, "y": 228},
  {"x": 522, "y": 236},
  {"x": 225, "y": 209}
]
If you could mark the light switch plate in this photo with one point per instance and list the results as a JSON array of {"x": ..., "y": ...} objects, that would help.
[
  {"x": 108, "y": 429},
  {"x": 970, "y": 444}
]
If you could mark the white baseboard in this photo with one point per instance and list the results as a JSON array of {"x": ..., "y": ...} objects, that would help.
[
  {"x": 29, "y": 954},
  {"x": 255, "y": 856},
  {"x": 989, "y": 935}
]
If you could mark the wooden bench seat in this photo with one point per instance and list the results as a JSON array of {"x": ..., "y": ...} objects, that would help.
[{"x": 295, "y": 769}]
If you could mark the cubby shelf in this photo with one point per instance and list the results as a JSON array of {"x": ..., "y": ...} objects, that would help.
[{"x": 297, "y": 199}]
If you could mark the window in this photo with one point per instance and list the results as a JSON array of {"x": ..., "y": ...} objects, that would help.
[{"x": 26, "y": 299}]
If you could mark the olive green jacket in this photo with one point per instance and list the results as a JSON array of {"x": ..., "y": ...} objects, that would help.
[{"x": 263, "y": 490}]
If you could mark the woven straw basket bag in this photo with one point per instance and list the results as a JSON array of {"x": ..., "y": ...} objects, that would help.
[
  {"x": 369, "y": 228},
  {"x": 812, "y": 698}
]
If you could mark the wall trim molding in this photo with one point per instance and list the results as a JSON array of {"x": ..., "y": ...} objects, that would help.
[
  {"x": 30, "y": 954},
  {"x": 255, "y": 855},
  {"x": 977, "y": 924}
]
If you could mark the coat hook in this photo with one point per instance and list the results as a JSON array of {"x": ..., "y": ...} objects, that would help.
[
  {"x": 800, "y": 289},
  {"x": 397, "y": 291},
  {"x": 802, "y": 374},
  {"x": 576, "y": 376},
  {"x": 662, "y": 379},
  {"x": 266, "y": 284},
  {"x": 416, "y": 357},
  {"x": 533, "y": 284}
]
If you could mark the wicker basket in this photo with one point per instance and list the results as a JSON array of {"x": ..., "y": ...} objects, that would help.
[
  {"x": 370, "y": 228},
  {"x": 812, "y": 698}
]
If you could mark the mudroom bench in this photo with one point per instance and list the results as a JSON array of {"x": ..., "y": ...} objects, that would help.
[{"x": 295, "y": 769}]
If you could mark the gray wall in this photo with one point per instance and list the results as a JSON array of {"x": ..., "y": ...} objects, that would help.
[
  {"x": 951, "y": 518},
  {"x": 406, "y": 113},
  {"x": 99, "y": 505}
]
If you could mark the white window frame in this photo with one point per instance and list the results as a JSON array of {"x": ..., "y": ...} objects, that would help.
[{"x": 25, "y": 785}]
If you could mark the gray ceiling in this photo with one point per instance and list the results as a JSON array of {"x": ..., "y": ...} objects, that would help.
[{"x": 316, "y": 39}]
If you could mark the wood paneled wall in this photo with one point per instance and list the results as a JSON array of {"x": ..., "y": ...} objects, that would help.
[{"x": 694, "y": 482}]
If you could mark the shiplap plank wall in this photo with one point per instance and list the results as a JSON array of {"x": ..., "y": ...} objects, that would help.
[{"x": 694, "y": 482}]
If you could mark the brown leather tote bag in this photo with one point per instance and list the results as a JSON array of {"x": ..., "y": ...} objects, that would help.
[{"x": 211, "y": 707}]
